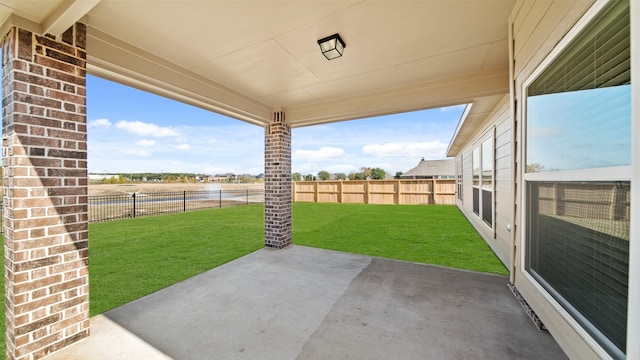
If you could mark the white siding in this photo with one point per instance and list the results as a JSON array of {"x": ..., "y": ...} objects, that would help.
[
  {"x": 497, "y": 124},
  {"x": 535, "y": 35},
  {"x": 503, "y": 183},
  {"x": 537, "y": 26}
]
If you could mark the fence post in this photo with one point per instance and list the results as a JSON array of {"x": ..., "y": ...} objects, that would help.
[
  {"x": 134, "y": 204},
  {"x": 366, "y": 191},
  {"x": 184, "y": 201},
  {"x": 433, "y": 192},
  {"x": 247, "y": 197},
  {"x": 220, "y": 198}
]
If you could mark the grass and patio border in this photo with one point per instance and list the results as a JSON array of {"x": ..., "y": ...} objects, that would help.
[{"x": 135, "y": 257}]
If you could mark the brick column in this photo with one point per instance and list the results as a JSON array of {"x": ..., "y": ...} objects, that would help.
[
  {"x": 45, "y": 191},
  {"x": 277, "y": 183}
]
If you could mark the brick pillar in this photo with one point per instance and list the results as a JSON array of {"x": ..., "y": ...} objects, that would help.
[
  {"x": 277, "y": 183},
  {"x": 45, "y": 191}
]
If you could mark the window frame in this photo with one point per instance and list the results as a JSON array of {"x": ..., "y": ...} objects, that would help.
[
  {"x": 480, "y": 187},
  {"x": 614, "y": 173}
]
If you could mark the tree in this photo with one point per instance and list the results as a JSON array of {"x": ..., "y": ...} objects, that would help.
[
  {"x": 398, "y": 174},
  {"x": 324, "y": 175},
  {"x": 535, "y": 167},
  {"x": 351, "y": 176},
  {"x": 366, "y": 171},
  {"x": 309, "y": 177},
  {"x": 296, "y": 176},
  {"x": 378, "y": 174},
  {"x": 340, "y": 176}
]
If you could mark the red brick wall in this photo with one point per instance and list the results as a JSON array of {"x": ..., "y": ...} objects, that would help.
[
  {"x": 45, "y": 191},
  {"x": 277, "y": 183}
]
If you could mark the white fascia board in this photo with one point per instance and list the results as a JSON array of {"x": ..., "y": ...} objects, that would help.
[
  {"x": 17, "y": 21},
  {"x": 445, "y": 92},
  {"x": 463, "y": 117},
  {"x": 67, "y": 14},
  {"x": 115, "y": 60}
]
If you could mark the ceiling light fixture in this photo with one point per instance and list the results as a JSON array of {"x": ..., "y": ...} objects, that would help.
[{"x": 332, "y": 46}]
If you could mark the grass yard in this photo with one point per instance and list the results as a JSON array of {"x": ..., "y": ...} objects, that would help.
[
  {"x": 438, "y": 235},
  {"x": 135, "y": 257}
]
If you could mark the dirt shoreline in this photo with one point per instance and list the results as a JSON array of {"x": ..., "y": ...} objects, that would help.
[{"x": 149, "y": 187}]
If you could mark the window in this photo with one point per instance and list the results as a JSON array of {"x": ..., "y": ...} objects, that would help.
[
  {"x": 577, "y": 176},
  {"x": 487, "y": 182},
  {"x": 483, "y": 181},
  {"x": 476, "y": 180}
]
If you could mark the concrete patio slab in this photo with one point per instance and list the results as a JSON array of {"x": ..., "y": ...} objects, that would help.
[
  {"x": 306, "y": 303},
  {"x": 109, "y": 341}
]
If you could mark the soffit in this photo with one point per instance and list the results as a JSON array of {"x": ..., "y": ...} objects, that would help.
[
  {"x": 246, "y": 58},
  {"x": 481, "y": 109},
  {"x": 36, "y": 11}
]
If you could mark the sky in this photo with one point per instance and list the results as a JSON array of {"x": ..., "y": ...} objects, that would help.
[{"x": 131, "y": 131}]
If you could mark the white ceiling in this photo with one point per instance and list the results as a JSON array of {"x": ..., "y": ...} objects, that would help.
[{"x": 246, "y": 59}]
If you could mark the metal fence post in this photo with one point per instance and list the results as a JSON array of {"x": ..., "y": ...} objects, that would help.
[
  {"x": 184, "y": 201},
  {"x": 247, "y": 203},
  {"x": 134, "y": 204},
  {"x": 220, "y": 198}
]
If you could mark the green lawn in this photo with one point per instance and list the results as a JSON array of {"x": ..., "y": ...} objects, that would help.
[
  {"x": 438, "y": 235},
  {"x": 135, "y": 257}
]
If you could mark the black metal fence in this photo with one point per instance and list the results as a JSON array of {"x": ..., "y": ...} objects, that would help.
[{"x": 116, "y": 207}]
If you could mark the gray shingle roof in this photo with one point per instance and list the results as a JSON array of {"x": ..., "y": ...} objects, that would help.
[{"x": 432, "y": 168}]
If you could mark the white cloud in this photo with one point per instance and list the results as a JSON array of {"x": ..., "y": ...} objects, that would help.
[
  {"x": 323, "y": 153},
  {"x": 407, "y": 149},
  {"x": 341, "y": 168},
  {"x": 145, "y": 142},
  {"x": 99, "y": 123},
  {"x": 183, "y": 147},
  {"x": 137, "y": 152},
  {"x": 146, "y": 129}
]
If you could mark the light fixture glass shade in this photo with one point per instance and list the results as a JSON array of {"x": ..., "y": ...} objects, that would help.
[{"x": 332, "y": 46}]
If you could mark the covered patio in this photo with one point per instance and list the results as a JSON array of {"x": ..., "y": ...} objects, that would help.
[
  {"x": 257, "y": 62},
  {"x": 260, "y": 62},
  {"x": 307, "y": 303}
]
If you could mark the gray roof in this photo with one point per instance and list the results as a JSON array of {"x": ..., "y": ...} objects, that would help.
[{"x": 432, "y": 168}]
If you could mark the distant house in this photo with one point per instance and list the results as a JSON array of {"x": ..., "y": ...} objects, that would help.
[
  {"x": 432, "y": 169},
  {"x": 223, "y": 177}
]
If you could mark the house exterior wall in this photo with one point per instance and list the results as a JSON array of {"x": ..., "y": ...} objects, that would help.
[
  {"x": 536, "y": 28},
  {"x": 497, "y": 126}
]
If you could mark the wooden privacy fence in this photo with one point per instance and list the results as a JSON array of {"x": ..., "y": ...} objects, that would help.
[{"x": 405, "y": 192}]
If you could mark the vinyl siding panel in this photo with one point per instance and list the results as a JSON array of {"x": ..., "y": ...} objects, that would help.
[
  {"x": 503, "y": 182},
  {"x": 535, "y": 36},
  {"x": 545, "y": 27},
  {"x": 498, "y": 126}
]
